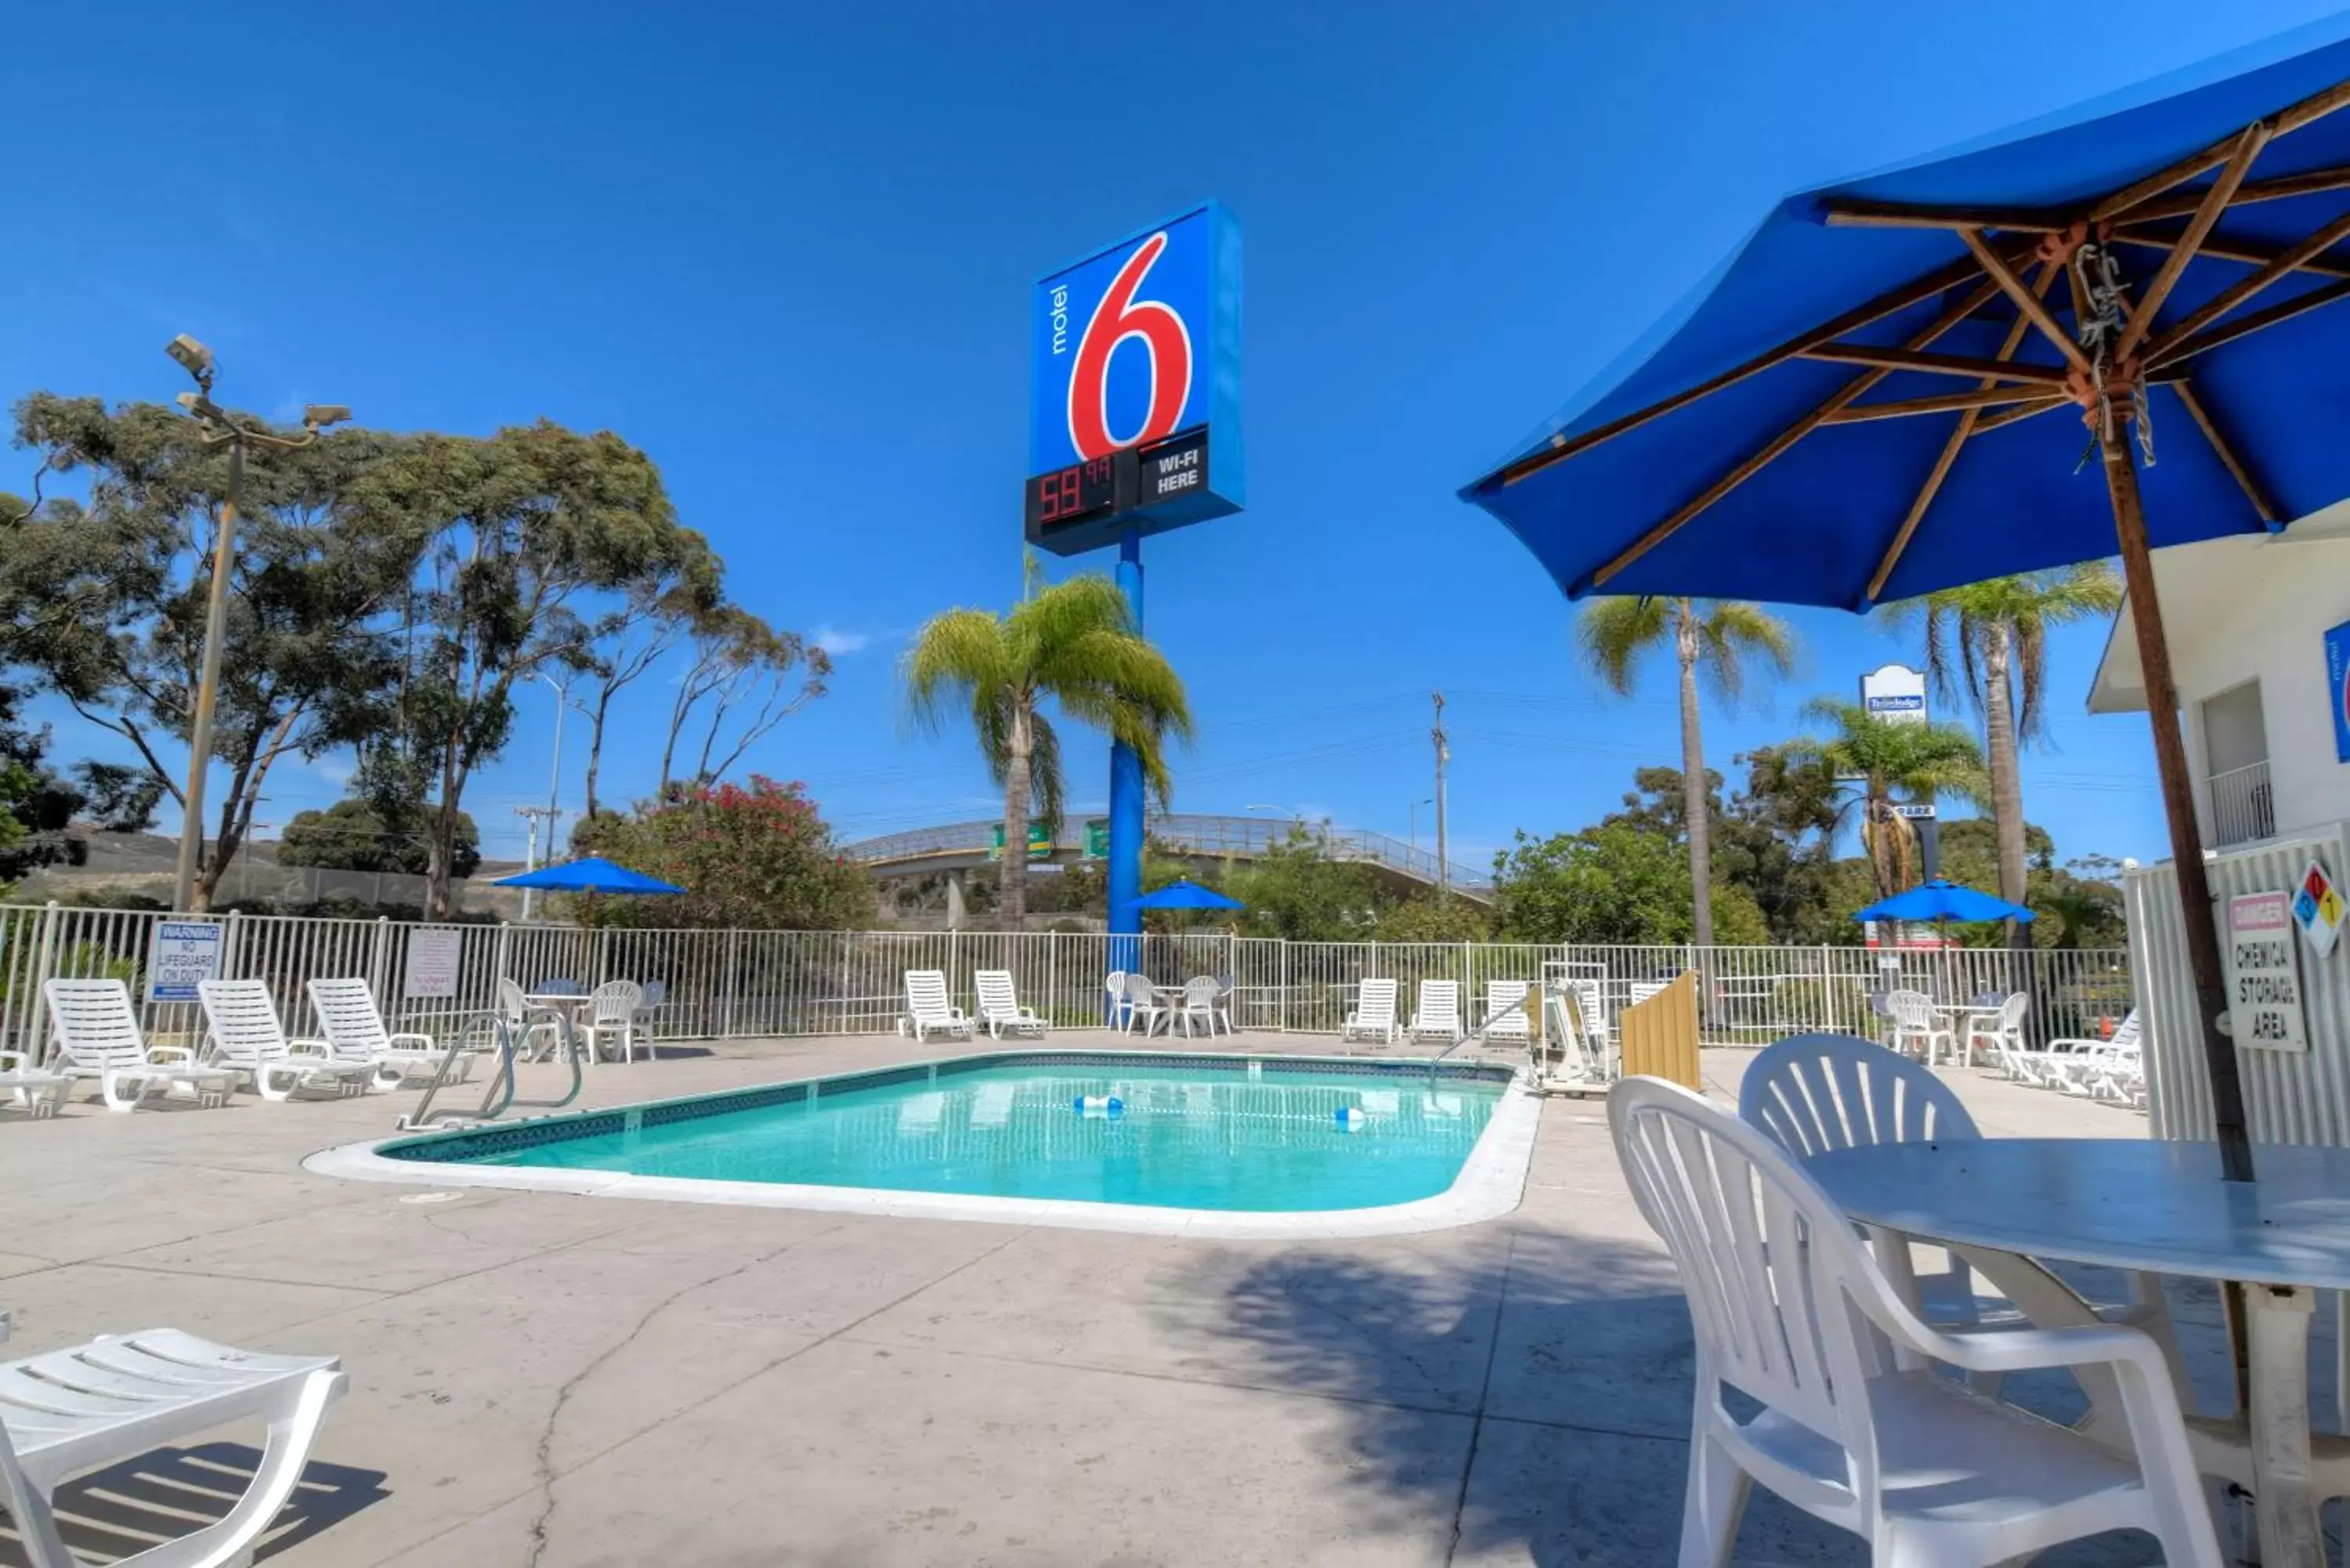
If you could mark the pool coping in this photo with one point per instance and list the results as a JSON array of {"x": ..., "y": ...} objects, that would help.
[{"x": 1490, "y": 1184}]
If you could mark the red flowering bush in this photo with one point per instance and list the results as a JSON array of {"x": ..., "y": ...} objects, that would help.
[{"x": 756, "y": 857}]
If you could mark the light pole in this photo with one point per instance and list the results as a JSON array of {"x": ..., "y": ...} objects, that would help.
[
  {"x": 1413, "y": 817},
  {"x": 554, "y": 783},
  {"x": 215, "y": 426}
]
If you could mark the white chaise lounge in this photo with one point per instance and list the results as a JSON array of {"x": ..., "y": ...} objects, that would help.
[{"x": 97, "y": 1041}]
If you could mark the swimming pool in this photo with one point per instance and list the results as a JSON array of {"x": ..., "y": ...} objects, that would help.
[{"x": 1147, "y": 1141}]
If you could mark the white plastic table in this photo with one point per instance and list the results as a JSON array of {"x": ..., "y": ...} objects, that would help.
[{"x": 2128, "y": 1203}]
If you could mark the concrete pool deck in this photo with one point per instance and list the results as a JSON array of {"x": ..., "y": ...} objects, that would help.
[{"x": 549, "y": 1379}]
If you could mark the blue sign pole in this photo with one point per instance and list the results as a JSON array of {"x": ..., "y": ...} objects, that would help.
[{"x": 1125, "y": 867}]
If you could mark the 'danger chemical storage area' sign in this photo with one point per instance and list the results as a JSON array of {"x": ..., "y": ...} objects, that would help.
[{"x": 2263, "y": 955}]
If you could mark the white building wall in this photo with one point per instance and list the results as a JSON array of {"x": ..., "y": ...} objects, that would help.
[{"x": 2274, "y": 632}]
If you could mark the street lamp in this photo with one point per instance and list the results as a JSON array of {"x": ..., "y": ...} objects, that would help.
[
  {"x": 216, "y": 427},
  {"x": 1413, "y": 817}
]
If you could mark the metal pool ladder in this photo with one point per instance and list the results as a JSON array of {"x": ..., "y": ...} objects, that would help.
[{"x": 499, "y": 1097}]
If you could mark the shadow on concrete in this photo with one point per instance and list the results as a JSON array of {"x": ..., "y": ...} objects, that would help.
[
  {"x": 1530, "y": 1404},
  {"x": 168, "y": 1492}
]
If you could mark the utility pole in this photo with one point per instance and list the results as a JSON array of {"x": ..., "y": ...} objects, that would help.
[
  {"x": 216, "y": 427},
  {"x": 1443, "y": 755},
  {"x": 530, "y": 856}
]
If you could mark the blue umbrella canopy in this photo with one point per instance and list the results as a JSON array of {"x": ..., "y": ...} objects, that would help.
[
  {"x": 1941, "y": 899},
  {"x": 593, "y": 875},
  {"x": 1187, "y": 895},
  {"x": 1648, "y": 481},
  {"x": 1883, "y": 390}
]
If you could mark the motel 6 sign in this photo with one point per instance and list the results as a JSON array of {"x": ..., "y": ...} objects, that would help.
[{"x": 1134, "y": 421}]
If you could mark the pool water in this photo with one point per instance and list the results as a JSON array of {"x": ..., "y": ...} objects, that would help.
[{"x": 1179, "y": 1135}]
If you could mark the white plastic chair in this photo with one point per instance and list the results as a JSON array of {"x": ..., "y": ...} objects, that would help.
[
  {"x": 1914, "y": 1027},
  {"x": 1200, "y": 996},
  {"x": 1374, "y": 1017},
  {"x": 1927, "y": 1470},
  {"x": 122, "y": 1395},
  {"x": 928, "y": 1011},
  {"x": 999, "y": 1006},
  {"x": 241, "y": 1021},
  {"x": 1142, "y": 1006},
  {"x": 1115, "y": 1008},
  {"x": 1505, "y": 1010},
  {"x": 613, "y": 1009},
  {"x": 1814, "y": 1093},
  {"x": 1996, "y": 1028},
  {"x": 97, "y": 1041},
  {"x": 2073, "y": 1063},
  {"x": 1436, "y": 1013},
  {"x": 656, "y": 997},
  {"x": 354, "y": 1032},
  {"x": 528, "y": 1023}
]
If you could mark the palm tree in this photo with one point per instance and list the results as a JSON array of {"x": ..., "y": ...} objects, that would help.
[
  {"x": 1710, "y": 636},
  {"x": 1073, "y": 642},
  {"x": 1990, "y": 639},
  {"x": 1872, "y": 758}
]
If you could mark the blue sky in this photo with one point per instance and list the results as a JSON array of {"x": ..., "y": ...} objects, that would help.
[{"x": 786, "y": 250}]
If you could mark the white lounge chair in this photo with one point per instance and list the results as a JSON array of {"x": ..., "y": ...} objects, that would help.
[
  {"x": 611, "y": 1010},
  {"x": 354, "y": 1032},
  {"x": 999, "y": 1006},
  {"x": 35, "y": 1091},
  {"x": 1374, "y": 1017},
  {"x": 1505, "y": 1010},
  {"x": 241, "y": 1021},
  {"x": 928, "y": 1011},
  {"x": 97, "y": 1041},
  {"x": 1782, "y": 1296},
  {"x": 122, "y": 1395},
  {"x": 1142, "y": 1006},
  {"x": 1436, "y": 1013},
  {"x": 2073, "y": 1063}
]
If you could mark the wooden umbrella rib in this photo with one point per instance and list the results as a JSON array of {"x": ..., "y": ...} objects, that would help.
[
  {"x": 2034, "y": 309},
  {"x": 2122, "y": 201},
  {"x": 1898, "y": 359},
  {"x": 2207, "y": 215},
  {"x": 2227, "y": 454},
  {"x": 2244, "y": 288},
  {"x": 2310, "y": 182},
  {"x": 1855, "y": 211},
  {"x": 2000, "y": 418},
  {"x": 1968, "y": 422},
  {"x": 1923, "y": 287},
  {"x": 1976, "y": 298},
  {"x": 2250, "y": 323},
  {"x": 2223, "y": 248},
  {"x": 1942, "y": 403}
]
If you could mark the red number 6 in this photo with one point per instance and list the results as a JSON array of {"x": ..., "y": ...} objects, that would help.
[{"x": 1118, "y": 317}]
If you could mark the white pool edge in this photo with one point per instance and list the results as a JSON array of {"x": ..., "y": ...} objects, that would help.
[{"x": 1491, "y": 1183}]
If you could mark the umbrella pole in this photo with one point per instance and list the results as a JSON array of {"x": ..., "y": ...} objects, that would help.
[{"x": 2178, "y": 800}]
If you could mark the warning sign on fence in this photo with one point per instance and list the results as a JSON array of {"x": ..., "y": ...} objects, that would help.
[
  {"x": 433, "y": 954},
  {"x": 2263, "y": 956},
  {"x": 183, "y": 953}
]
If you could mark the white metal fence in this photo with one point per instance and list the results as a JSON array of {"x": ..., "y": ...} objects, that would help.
[
  {"x": 743, "y": 984},
  {"x": 2289, "y": 1096}
]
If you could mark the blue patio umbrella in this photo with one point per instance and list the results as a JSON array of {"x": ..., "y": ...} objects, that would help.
[
  {"x": 1897, "y": 384},
  {"x": 593, "y": 875},
  {"x": 1941, "y": 899},
  {"x": 1187, "y": 895}
]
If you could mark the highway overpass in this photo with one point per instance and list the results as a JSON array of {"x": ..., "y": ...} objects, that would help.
[{"x": 961, "y": 845}]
